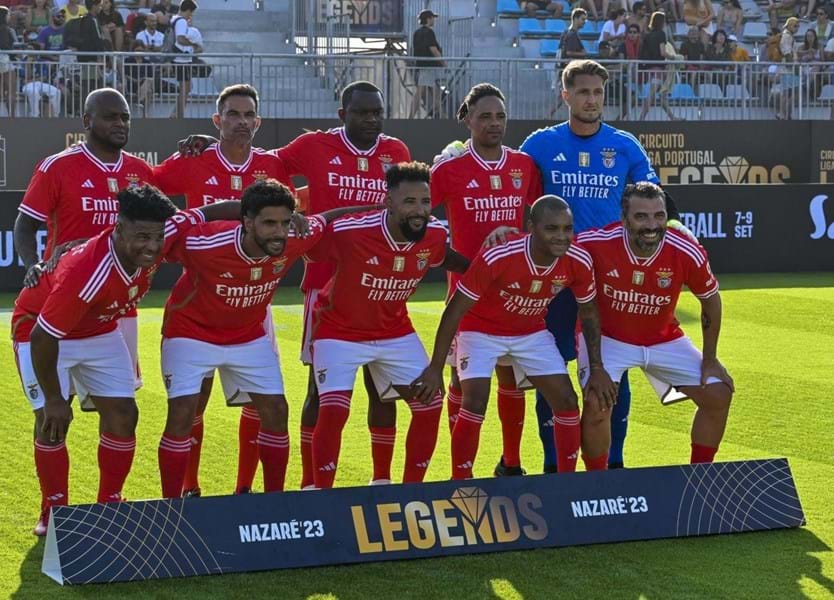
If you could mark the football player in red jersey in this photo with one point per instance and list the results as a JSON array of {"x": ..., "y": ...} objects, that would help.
[
  {"x": 499, "y": 307},
  {"x": 222, "y": 172},
  {"x": 66, "y": 336},
  {"x": 74, "y": 192},
  {"x": 640, "y": 268},
  {"x": 361, "y": 319},
  {"x": 487, "y": 186}
]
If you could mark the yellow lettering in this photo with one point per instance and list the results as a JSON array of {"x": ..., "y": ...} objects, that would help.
[
  {"x": 420, "y": 530},
  {"x": 365, "y": 545},
  {"x": 504, "y": 519},
  {"x": 536, "y": 529},
  {"x": 444, "y": 522},
  {"x": 389, "y": 527}
]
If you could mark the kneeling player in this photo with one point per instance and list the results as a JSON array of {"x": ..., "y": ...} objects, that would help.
[
  {"x": 640, "y": 267},
  {"x": 499, "y": 307},
  {"x": 361, "y": 317},
  {"x": 214, "y": 319}
]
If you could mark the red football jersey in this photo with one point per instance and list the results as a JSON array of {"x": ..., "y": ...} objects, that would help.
[
  {"x": 638, "y": 295},
  {"x": 339, "y": 174},
  {"x": 512, "y": 292},
  {"x": 375, "y": 275},
  {"x": 90, "y": 290},
  {"x": 75, "y": 193},
  {"x": 223, "y": 293},
  {"x": 211, "y": 177}
]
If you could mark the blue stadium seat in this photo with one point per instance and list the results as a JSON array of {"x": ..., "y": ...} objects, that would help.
[
  {"x": 549, "y": 48},
  {"x": 508, "y": 7},
  {"x": 555, "y": 26},
  {"x": 590, "y": 29},
  {"x": 592, "y": 47},
  {"x": 682, "y": 91},
  {"x": 530, "y": 26},
  {"x": 755, "y": 31}
]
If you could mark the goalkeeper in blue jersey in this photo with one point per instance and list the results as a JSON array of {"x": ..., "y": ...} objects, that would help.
[{"x": 588, "y": 163}]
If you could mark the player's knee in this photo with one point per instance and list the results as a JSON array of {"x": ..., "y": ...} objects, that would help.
[
  {"x": 567, "y": 400},
  {"x": 274, "y": 412},
  {"x": 592, "y": 416},
  {"x": 720, "y": 396},
  {"x": 121, "y": 418}
]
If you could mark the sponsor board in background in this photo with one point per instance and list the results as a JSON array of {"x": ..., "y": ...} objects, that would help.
[{"x": 226, "y": 534}]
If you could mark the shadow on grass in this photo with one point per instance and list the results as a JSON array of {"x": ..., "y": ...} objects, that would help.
[{"x": 776, "y": 564}]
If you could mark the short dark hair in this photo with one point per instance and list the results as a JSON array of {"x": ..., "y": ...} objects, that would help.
[
  {"x": 406, "y": 171},
  {"x": 637, "y": 6},
  {"x": 619, "y": 12},
  {"x": 358, "y": 86},
  {"x": 576, "y": 68},
  {"x": 263, "y": 193},
  {"x": 88, "y": 4},
  {"x": 657, "y": 21},
  {"x": 547, "y": 203},
  {"x": 643, "y": 189},
  {"x": 187, "y": 5},
  {"x": 481, "y": 90},
  {"x": 239, "y": 89},
  {"x": 576, "y": 13},
  {"x": 144, "y": 203},
  {"x": 4, "y": 15}
]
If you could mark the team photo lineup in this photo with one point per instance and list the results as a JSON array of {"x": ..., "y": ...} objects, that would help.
[{"x": 564, "y": 249}]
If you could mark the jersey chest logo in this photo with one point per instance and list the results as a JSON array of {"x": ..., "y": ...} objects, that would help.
[
  {"x": 664, "y": 278},
  {"x": 609, "y": 157}
]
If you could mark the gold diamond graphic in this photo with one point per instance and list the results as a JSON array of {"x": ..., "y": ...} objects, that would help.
[
  {"x": 734, "y": 168},
  {"x": 471, "y": 502}
]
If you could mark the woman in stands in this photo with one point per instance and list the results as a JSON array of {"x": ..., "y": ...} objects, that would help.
[
  {"x": 655, "y": 48},
  {"x": 8, "y": 72},
  {"x": 112, "y": 25},
  {"x": 731, "y": 17},
  {"x": 699, "y": 13},
  {"x": 37, "y": 18}
]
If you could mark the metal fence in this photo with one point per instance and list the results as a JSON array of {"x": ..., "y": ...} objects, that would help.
[{"x": 53, "y": 84}]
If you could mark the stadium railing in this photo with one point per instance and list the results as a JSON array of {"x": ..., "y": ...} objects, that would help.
[{"x": 308, "y": 86}]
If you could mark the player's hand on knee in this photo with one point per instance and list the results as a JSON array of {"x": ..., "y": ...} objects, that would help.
[
  {"x": 428, "y": 385},
  {"x": 499, "y": 235},
  {"x": 712, "y": 367},
  {"x": 452, "y": 150},
  {"x": 602, "y": 387},
  {"x": 57, "y": 415}
]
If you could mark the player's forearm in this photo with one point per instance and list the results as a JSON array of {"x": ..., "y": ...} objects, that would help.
[
  {"x": 711, "y": 325},
  {"x": 25, "y": 239},
  {"x": 221, "y": 211},
  {"x": 44, "y": 349},
  {"x": 333, "y": 214},
  {"x": 455, "y": 262},
  {"x": 592, "y": 331},
  {"x": 446, "y": 331}
]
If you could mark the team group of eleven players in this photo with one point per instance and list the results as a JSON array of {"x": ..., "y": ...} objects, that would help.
[{"x": 576, "y": 214}]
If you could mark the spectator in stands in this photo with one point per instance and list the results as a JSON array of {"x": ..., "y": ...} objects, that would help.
[
  {"x": 700, "y": 14},
  {"x": 8, "y": 72},
  {"x": 772, "y": 45},
  {"x": 554, "y": 7},
  {"x": 185, "y": 47},
  {"x": 718, "y": 49},
  {"x": 629, "y": 48},
  {"x": 145, "y": 75},
  {"x": 570, "y": 46},
  {"x": 164, "y": 11},
  {"x": 787, "y": 41},
  {"x": 828, "y": 52},
  {"x": 74, "y": 10},
  {"x": 38, "y": 87},
  {"x": 656, "y": 48},
  {"x": 614, "y": 29},
  {"x": 51, "y": 37},
  {"x": 37, "y": 17},
  {"x": 737, "y": 53},
  {"x": 84, "y": 35},
  {"x": 823, "y": 25},
  {"x": 639, "y": 17},
  {"x": 693, "y": 49},
  {"x": 428, "y": 72},
  {"x": 809, "y": 50},
  {"x": 780, "y": 11},
  {"x": 598, "y": 8},
  {"x": 731, "y": 17},
  {"x": 112, "y": 25}
]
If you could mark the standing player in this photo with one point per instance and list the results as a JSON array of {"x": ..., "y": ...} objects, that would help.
[
  {"x": 223, "y": 170},
  {"x": 588, "y": 163},
  {"x": 74, "y": 191},
  {"x": 499, "y": 307},
  {"x": 640, "y": 267},
  {"x": 485, "y": 187},
  {"x": 214, "y": 320},
  {"x": 65, "y": 333},
  {"x": 361, "y": 317}
]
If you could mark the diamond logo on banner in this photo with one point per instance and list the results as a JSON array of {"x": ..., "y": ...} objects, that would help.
[{"x": 471, "y": 502}]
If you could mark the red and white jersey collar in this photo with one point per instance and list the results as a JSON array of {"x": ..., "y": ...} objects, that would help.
[
  {"x": 392, "y": 243},
  {"x": 128, "y": 279},
  {"x": 534, "y": 268},
  {"x": 229, "y": 165},
  {"x": 640, "y": 260},
  {"x": 340, "y": 131},
  {"x": 106, "y": 167},
  {"x": 242, "y": 253},
  {"x": 490, "y": 165}
]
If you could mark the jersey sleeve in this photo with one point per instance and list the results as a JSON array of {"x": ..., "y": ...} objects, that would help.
[
  {"x": 699, "y": 278},
  {"x": 67, "y": 303},
  {"x": 438, "y": 251},
  {"x": 403, "y": 153},
  {"x": 295, "y": 155},
  {"x": 170, "y": 176},
  {"x": 279, "y": 172},
  {"x": 583, "y": 286},
  {"x": 324, "y": 248},
  {"x": 438, "y": 186},
  {"x": 176, "y": 230},
  {"x": 534, "y": 190},
  {"x": 640, "y": 167},
  {"x": 42, "y": 195},
  {"x": 477, "y": 279},
  {"x": 317, "y": 228}
]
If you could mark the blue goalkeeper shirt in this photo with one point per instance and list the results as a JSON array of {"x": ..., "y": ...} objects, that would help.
[{"x": 589, "y": 172}]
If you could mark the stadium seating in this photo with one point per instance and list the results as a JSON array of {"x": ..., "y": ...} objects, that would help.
[
  {"x": 826, "y": 93},
  {"x": 710, "y": 91},
  {"x": 555, "y": 27},
  {"x": 755, "y": 32},
  {"x": 509, "y": 8},
  {"x": 682, "y": 92},
  {"x": 549, "y": 48},
  {"x": 530, "y": 26},
  {"x": 591, "y": 46}
]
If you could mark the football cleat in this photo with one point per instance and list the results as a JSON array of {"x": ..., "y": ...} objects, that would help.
[
  {"x": 379, "y": 482},
  {"x": 43, "y": 523},
  {"x": 615, "y": 465},
  {"x": 550, "y": 469},
  {"x": 192, "y": 493},
  {"x": 502, "y": 470},
  {"x": 243, "y": 490}
]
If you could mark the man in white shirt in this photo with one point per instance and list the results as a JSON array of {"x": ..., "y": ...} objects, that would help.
[
  {"x": 614, "y": 29},
  {"x": 185, "y": 47},
  {"x": 150, "y": 40}
]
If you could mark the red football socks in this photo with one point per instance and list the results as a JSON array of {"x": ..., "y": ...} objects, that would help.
[
  {"x": 511, "y": 414},
  {"x": 334, "y": 408},
  {"x": 465, "y": 438},
  {"x": 247, "y": 438},
  {"x": 306, "y": 456},
  {"x": 52, "y": 465},
  {"x": 274, "y": 450},
  {"x": 422, "y": 438},
  {"x": 173, "y": 462},
  {"x": 453, "y": 399},
  {"x": 115, "y": 457},
  {"x": 702, "y": 454},
  {"x": 567, "y": 433},
  {"x": 382, "y": 450},
  {"x": 192, "y": 478},
  {"x": 599, "y": 463}
]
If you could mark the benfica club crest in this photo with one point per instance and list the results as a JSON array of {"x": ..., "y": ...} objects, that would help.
[
  {"x": 33, "y": 390},
  {"x": 386, "y": 161},
  {"x": 279, "y": 265},
  {"x": 664, "y": 278},
  {"x": 260, "y": 175},
  {"x": 132, "y": 180},
  {"x": 464, "y": 362},
  {"x": 609, "y": 156},
  {"x": 322, "y": 375},
  {"x": 557, "y": 285},
  {"x": 516, "y": 176},
  {"x": 423, "y": 259}
]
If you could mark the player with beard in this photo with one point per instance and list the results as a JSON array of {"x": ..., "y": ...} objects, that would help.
[
  {"x": 74, "y": 193},
  {"x": 361, "y": 318},
  {"x": 344, "y": 166},
  {"x": 588, "y": 163},
  {"x": 214, "y": 321},
  {"x": 499, "y": 308},
  {"x": 640, "y": 267},
  {"x": 221, "y": 172},
  {"x": 486, "y": 186}
]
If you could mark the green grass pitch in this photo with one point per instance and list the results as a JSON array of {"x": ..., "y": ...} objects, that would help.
[{"x": 777, "y": 341}]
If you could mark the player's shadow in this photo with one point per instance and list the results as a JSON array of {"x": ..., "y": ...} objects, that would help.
[{"x": 777, "y": 564}]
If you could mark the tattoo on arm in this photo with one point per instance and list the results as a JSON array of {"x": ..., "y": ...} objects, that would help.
[
  {"x": 706, "y": 321},
  {"x": 591, "y": 331}
]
